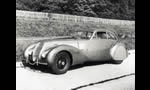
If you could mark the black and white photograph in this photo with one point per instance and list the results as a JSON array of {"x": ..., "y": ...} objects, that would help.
[{"x": 75, "y": 44}]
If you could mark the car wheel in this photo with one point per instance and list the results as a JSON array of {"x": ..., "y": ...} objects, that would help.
[
  {"x": 27, "y": 64},
  {"x": 117, "y": 61},
  {"x": 61, "y": 63}
]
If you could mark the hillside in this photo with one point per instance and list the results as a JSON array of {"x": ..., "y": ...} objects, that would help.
[
  {"x": 112, "y": 9},
  {"x": 43, "y": 28}
]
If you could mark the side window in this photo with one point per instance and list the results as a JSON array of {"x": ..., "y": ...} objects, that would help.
[
  {"x": 111, "y": 36},
  {"x": 89, "y": 34},
  {"x": 102, "y": 35}
]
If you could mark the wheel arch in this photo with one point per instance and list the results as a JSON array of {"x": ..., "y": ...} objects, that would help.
[
  {"x": 70, "y": 55},
  {"x": 70, "y": 50}
]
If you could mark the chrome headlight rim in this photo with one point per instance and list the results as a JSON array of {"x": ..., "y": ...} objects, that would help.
[{"x": 29, "y": 50}]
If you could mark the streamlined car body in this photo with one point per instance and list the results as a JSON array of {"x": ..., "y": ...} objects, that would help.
[{"x": 81, "y": 46}]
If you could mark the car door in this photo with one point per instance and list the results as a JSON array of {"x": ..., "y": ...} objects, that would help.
[{"x": 99, "y": 46}]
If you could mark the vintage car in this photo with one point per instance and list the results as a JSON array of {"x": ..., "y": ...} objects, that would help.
[{"x": 81, "y": 46}]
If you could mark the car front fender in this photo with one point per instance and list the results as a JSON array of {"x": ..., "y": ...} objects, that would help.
[{"x": 76, "y": 56}]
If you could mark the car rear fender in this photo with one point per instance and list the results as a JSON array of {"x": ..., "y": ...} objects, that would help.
[{"x": 119, "y": 51}]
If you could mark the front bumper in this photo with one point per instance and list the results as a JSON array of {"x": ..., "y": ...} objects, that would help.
[{"x": 32, "y": 60}]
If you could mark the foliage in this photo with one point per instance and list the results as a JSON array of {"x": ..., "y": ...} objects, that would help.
[{"x": 117, "y": 9}]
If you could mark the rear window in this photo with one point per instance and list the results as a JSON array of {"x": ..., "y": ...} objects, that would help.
[
  {"x": 102, "y": 35},
  {"x": 111, "y": 36}
]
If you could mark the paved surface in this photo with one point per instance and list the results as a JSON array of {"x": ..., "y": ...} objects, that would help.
[
  {"x": 90, "y": 77},
  {"x": 126, "y": 83}
]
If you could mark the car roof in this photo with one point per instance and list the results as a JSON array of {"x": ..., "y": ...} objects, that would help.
[{"x": 97, "y": 30}]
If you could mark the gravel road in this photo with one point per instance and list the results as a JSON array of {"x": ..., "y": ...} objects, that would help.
[{"x": 90, "y": 77}]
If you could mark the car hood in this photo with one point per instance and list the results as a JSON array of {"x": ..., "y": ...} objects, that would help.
[{"x": 46, "y": 44}]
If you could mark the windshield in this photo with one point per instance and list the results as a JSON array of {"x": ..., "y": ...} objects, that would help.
[{"x": 82, "y": 34}]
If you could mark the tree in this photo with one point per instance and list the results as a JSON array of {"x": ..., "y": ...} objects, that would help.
[{"x": 116, "y": 9}]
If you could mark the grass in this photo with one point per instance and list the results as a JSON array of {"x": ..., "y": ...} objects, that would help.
[{"x": 30, "y": 28}]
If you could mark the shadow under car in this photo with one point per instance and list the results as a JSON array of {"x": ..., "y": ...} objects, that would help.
[{"x": 46, "y": 69}]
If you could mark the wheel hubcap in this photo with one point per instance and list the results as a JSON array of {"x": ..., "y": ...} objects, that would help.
[{"x": 61, "y": 63}]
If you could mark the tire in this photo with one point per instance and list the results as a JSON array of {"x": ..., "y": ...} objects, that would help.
[
  {"x": 117, "y": 61},
  {"x": 61, "y": 63},
  {"x": 27, "y": 64}
]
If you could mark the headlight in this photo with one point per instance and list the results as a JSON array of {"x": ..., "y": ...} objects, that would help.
[
  {"x": 44, "y": 53},
  {"x": 29, "y": 50}
]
